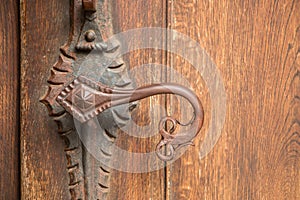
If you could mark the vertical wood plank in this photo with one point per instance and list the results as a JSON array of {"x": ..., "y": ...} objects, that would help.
[
  {"x": 130, "y": 15},
  {"x": 255, "y": 45},
  {"x": 44, "y": 29},
  {"x": 9, "y": 103}
]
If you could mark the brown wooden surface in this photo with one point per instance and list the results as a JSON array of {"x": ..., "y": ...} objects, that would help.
[
  {"x": 44, "y": 28},
  {"x": 130, "y": 15},
  {"x": 9, "y": 104},
  {"x": 255, "y": 45}
]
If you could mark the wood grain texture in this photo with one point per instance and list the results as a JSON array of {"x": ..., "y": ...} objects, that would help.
[
  {"x": 9, "y": 104},
  {"x": 44, "y": 28},
  {"x": 255, "y": 45},
  {"x": 129, "y": 15}
]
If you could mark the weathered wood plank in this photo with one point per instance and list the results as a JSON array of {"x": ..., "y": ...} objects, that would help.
[
  {"x": 9, "y": 104},
  {"x": 129, "y": 15},
  {"x": 256, "y": 48},
  {"x": 44, "y": 28}
]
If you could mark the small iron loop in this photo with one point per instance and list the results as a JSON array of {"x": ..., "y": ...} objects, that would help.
[
  {"x": 169, "y": 149},
  {"x": 163, "y": 127}
]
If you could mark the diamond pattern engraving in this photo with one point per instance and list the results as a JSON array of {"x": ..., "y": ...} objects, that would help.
[{"x": 84, "y": 99}]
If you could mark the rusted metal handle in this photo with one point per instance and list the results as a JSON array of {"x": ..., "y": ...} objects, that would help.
[{"x": 85, "y": 98}]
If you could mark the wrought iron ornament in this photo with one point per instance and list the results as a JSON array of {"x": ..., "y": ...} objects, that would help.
[
  {"x": 79, "y": 92},
  {"x": 86, "y": 99}
]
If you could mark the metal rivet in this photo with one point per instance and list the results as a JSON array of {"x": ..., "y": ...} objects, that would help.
[{"x": 90, "y": 35}]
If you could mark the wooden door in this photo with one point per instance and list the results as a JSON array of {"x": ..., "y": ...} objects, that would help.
[{"x": 255, "y": 46}]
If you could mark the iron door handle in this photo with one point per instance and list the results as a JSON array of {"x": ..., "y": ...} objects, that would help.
[
  {"x": 87, "y": 39},
  {"x": 77, "y": 92},
  {"x": 102, "y": 97}
]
